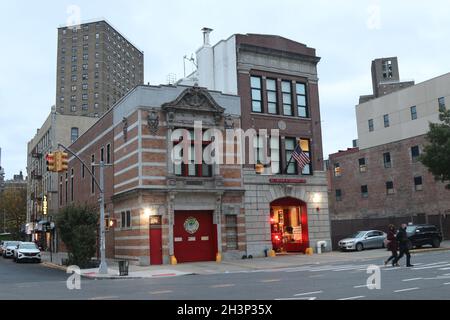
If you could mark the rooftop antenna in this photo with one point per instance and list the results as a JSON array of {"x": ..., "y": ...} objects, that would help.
[{"x": 191, "y": 59}]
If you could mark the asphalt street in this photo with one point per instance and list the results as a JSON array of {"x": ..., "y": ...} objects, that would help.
[{"x": 429, "y": 279}]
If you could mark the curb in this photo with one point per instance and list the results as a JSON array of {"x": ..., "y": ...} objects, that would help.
[
  {"x": 53, "y": 266},
  {"x": 131, "y": 277},
  {"x": 429, "y": 250}
]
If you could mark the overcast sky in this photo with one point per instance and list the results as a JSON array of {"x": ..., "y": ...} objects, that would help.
[{"x": 348, "y": 35}]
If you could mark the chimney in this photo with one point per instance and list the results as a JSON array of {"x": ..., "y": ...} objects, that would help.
[{"x": 206, "y": 31}]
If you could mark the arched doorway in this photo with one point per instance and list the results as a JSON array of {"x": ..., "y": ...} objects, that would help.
[{"x": 289, "y": 225}]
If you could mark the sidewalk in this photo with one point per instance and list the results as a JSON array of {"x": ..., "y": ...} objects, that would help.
[{"x": 231, "y": 266}]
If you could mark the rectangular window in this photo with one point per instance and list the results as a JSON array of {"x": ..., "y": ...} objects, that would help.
[
  {"x": 271, "y": 87},
  {"x": 108, "y": 154},
  {"x": 256, "y": 88},
  {"x": 73, "y": 134},
  {"x": 74, "y": 78},
  {"x": 123, "y": 219},
  {"x": 390, "y": 187},
  {"x": 84, "y": 96},
  {"x": 386, "y": 120},
  {"x": 82, "y": 171},
  {"x": 413, "y": 113},
  {"x": 73, "y": 108},
  {"x": 371, "y": 125},
  {"x": 84, "y": 107},
  {"x": 418, "y": 186},
  {"x": 362, "y": 165},
  {"x": 415, "y": 153},
  {"x": 231, "y": 232},
  {"x": 191, "y": 169},
  {"x": 275, "y": 155},
  {"x": 85, "y": 66},
  {"x": 305, "y": 145},
  {"x": 128, "y": 224},
  {"x": 289, "y": 146},
  {"x": 74, "y": 68},
  {"x": 287, "y": 97},
  {"x": 337, "y": 169},
  {"x": 85, "y": 86},
  {"x": 387, "y": 160},
  {"x": 338, "y": 195},
  {"x": 102, "y": 154},
  {"x": 258, "y": 146},
  {"x": 364, "y": 191},
  {"x": 85, "y": 47},
  {"x": 85, "y": 37},
  {"x": 302, "y": 107},
  {"x": 441, "y": 102},
  {"x": 85, "y": 76}
]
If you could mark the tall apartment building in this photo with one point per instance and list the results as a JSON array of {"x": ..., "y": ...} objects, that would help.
[
  {"x": 276, "y": 78},
  {"x": 382, "y": 181},
  {"x": 385, "y": 78},
  {"x": 96, "y": 66},
  {"x": 2, "y": 172}
]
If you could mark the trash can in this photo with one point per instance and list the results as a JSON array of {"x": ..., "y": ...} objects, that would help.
[{"x": 123, "y": 268}]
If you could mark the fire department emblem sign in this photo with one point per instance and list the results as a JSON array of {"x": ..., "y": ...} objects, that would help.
[{"x": 191, "y": 225}]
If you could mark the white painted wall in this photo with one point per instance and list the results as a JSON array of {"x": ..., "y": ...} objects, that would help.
[{"x": 397, "y": 105}]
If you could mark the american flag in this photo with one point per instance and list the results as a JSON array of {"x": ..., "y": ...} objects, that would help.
[{"x": 300, "y": 156}]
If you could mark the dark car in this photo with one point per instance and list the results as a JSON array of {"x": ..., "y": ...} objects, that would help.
[{"x": 424, "y": 234}]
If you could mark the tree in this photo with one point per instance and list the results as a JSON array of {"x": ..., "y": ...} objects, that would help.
[
  {"x": 13, "y": 203},
  {"x": 436, "y": 154},
  {"x": 77, "y": 227}
]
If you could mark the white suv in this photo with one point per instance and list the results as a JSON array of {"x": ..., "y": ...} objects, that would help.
[
  {"x": 27, "y": 251},
  {"x": 8, "y": 248}
]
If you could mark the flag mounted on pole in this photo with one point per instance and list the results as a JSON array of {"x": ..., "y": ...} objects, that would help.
[{"x": 301, "y": 157}]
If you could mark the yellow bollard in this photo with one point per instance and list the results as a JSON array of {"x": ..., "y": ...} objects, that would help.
[
  {"x": 218, "y": 257},
  {"x": 309, "y": 251},
  {"x": 272, "y": 253},
  {"x": 173, "y": 260}
]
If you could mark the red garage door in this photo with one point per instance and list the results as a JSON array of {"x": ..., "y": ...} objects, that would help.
[{"x": 194, "y": 236}]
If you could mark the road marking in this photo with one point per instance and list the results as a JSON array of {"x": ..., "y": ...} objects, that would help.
[
  {"x": 409, "y": 289},
  {"x": 352, "y": 298},
  {"x": 412, "y": 279},
  {"x": 307, "y": 293},
  {"x": 104, "y": 298},
  {"x": 445, "y": 268},
  {"x": 362, "y": 286},
  {"x": 271, "y": 280},
  {"x": 222, "y": 285},
  {"x": 299, "y": 298},
  {"x": 447, "y": 283},
  {"x": 161, "y": 292},
  {"x": 431, "y": 267},
  {"x": 317, "y": 276}
]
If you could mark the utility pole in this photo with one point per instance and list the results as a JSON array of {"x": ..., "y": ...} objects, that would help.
[
  {"x": 4, "y": 220},
  {"x": 103, "y": 269}
]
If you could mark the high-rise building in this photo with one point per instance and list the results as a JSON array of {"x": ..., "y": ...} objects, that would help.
[{"x": 96, "y": 66}]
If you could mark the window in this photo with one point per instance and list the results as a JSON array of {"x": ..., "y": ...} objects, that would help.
[
  {"x": 85, "y": 66},
  {"x": 85, "y": 76},
  {"x": 387, "y": 69},
  {"x": 192, "y": 169},
  {"x": 125, "y": 217},
  {"x": 74, "y": 134},
  {"x": 85, "y": 48},
  {"x": 61, "y": 99},
  {"x": 289, "y": 146},
  {"x": 97, "y": 55},
  {"x": 413, "y": 113},
  {"x": 337, "y": 169},
  {"x": 102, "y": 154},
  {"x": 74, "y": 78},
  {"x": 84, "y": 96},
  {"x": 338, "y": 195},
  {"x": 302, "y": 108},
  {"x": 271, "y": 87},
  {"x": 108, "y": 154},
  {"x": 84, "y": 107},
  {"x": 364, "y": 191},
  {"x": 62, "y": 89},
  {"x": 74, "y": 68},
  {"x": 386, "y": 120},
  {"x": 71, "y": 185},
  {"x": 418, "y": 186},
  {"x": 362, "y": 165},
  {"x": 258, "y": 146},
  {"x": 305, "y": 145},
  {"x": 74, "y": 88},
  {"x": 231, "y": 232},
  {"x": 97, "y": 36},
  {"x": 73, "y": 98},
  {"x": 255, "y": 83},
  {"x": 73, "y": 108},
  {"x": 74, "y": 58},
  {"x": 275, "y": 155},
  {"x": 96, "y": 95},
  {"x": 85, "y": 37},
  {"x": 387, "y": 160},
  {"x": 390, "y": 187},
  {"x": 287, "y": 97},
  {"x": 85, "y": 86},
  {"x": 96, "y": 105},
  {"x": 415, "y": 153},
  {"x": 370, "y": 125},
  {"x": 96, "y": 85},
  {"x": 82, "y": 171},
  {"x": 441, "y": 102}
]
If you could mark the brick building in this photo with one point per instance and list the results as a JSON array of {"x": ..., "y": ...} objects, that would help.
[
  {"x": 382, "y": 181},
  {"x": 160, "y": 209},
  {"x": 276, "y": 78}
]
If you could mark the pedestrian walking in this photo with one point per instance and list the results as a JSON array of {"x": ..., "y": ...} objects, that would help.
[
  {"x": 404, "y": 244},
  {"x": 391, "y": 244}
]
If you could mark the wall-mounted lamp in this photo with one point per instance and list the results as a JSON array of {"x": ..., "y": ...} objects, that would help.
[{"x": 153, "y": 121}]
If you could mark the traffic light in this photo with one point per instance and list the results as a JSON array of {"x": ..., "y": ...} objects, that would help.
[
  {"x": 64, "y": 162},
  {"x": 51, "y": 165}
]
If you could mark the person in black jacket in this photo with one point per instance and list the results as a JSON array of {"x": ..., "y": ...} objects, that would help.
[
  {"x": 404, "y": 244},
  {"x": 392, "y": 244}
]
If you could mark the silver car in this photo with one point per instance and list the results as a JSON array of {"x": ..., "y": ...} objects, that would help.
[
  {"x": 8, "y": 248},
  {"x": 363, "y": 240}
]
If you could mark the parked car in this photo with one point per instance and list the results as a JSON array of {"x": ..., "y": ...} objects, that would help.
[
  {"x": 9, "y": 248},
  {"x": 2, "y": 247},
  {"x": 424, "y": 234},
  {"x": 363, "y": 240},
  {"x": 27, "y": 251}
]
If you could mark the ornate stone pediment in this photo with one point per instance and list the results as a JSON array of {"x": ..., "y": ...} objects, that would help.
[{"x": 194, "y": 99}]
